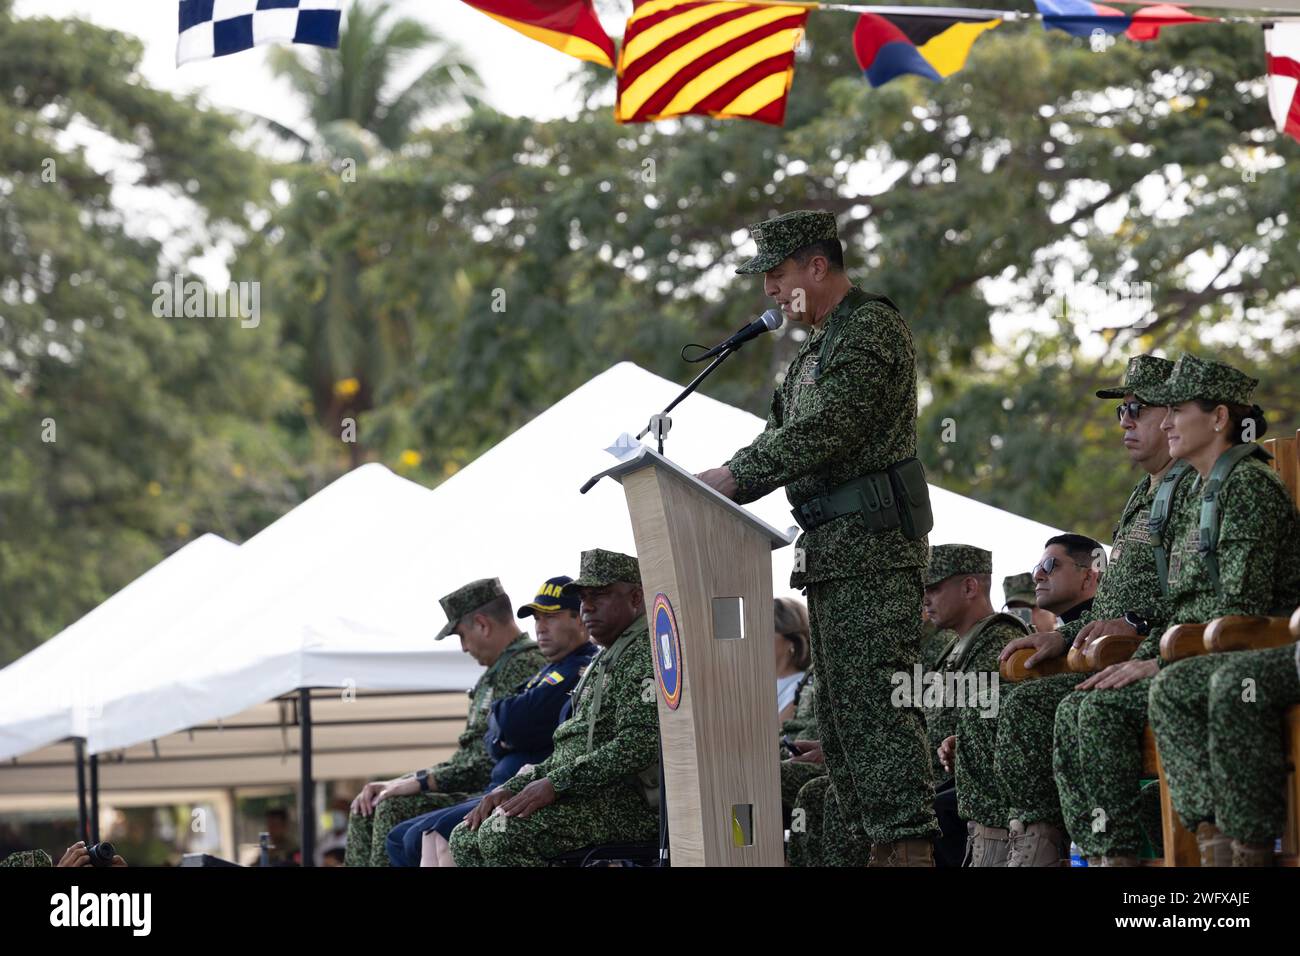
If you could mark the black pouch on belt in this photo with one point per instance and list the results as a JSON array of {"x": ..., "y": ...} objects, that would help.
[
  {"x": 879, "y": 511},
  {"x": 908, "y": 480}
]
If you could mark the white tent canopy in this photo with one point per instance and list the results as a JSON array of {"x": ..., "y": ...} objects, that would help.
[{"x": 342, "y": 591}]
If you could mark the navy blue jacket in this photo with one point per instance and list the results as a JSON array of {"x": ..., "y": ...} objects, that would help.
[{"x": 520, "y": 726}]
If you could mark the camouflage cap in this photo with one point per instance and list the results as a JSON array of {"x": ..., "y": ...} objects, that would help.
[
  {"x": 1194, "y": 378},
  {"x": 466, "y": 599},
  {"x": 949, "y": 559},
  {"x": 787, "y": 233},
  {"x": 601, "y": 567},
  {"x": 1144, "y": 371},
  {"x": 1019, "y": 587}
]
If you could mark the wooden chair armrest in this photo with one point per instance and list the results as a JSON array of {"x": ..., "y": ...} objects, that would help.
[
  {"x": 1182, "y": 641},
  {"x": 1013, "y": 668},
  {"x": 1109, "y": 649},
  {"x": 1240, "y": 632}
]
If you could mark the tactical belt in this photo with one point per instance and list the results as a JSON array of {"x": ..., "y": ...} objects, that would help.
[{"x": 897, "y": 497}]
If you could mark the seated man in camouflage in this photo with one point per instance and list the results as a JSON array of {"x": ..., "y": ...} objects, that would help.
[
  {"x": 1128, "y": 600},
  {"x": 600, "y": 784},
  {"x": 520, "y": 726},
  {"x": 958, "y": 581},
  {"x": 482, "y": 616}
]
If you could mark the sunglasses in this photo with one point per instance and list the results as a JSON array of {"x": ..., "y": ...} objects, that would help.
[
  {"x": 1050, "y": 564},
  {"x": 1134, "y": 409}
]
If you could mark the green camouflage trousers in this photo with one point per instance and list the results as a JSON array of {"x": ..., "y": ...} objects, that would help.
[
  {"x": 864, "y": 630},
  {"x": 1218, "y": 724},
  {"x": 366, "y": 835},
  {"x": 1097, "y": 756},
  {"x": 1023, "y": 752},
  {"x": 805, "y": 847},
  {"x": 793, "y": 777},
  {"x": 616, "y": 814},
  {"x": 979, "y": 797}
]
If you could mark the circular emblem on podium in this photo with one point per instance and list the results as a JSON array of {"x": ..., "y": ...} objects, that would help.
[{"x": 667, "y": 651}]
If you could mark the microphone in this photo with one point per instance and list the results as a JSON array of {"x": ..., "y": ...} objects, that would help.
[{"x": 767, "y": 322}]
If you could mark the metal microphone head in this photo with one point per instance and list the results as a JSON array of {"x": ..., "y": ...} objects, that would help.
[{"x": 773, "y": 318}]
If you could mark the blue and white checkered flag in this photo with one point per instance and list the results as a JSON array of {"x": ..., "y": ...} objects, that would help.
[{"x": 217, "y": 27}]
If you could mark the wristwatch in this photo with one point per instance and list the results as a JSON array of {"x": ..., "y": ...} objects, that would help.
[
  {"x": 423, "y": 777},
  {"x": 1138, "y": 623}
]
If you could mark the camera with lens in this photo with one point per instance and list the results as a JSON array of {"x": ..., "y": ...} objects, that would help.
[{"x": 101, "y": 854}]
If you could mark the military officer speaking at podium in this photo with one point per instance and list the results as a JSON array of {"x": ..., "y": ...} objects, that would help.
[{"x": 841, "y": 439}]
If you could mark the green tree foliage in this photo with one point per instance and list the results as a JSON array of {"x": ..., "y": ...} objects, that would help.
[
  {"x": 360, "y": 108},
  {"x": 123, "y": 434},
  {"x": 1083, "y": 204}
]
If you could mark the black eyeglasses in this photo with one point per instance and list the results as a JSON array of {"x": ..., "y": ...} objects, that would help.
[
  {"x": 1050, "y": 564},
  {"x": 1134, "y": 409}
]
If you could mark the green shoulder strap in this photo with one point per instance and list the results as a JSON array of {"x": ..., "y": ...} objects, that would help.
[
  {"x": 856, "y": 299},
  {"x": 961, "y": 647},
  {"x": 1208, "y": 542},
  {"x": 1160, "y": 517},
  {"x": 603, "y": 662}
]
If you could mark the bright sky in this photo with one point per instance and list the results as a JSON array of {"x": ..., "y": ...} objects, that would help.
[{"x": 521, "y": 75}]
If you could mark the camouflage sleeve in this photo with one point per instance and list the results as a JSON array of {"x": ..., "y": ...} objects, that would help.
[
  {"x": 635, "y": 741},
  {"x": 1258, "y": 523},
  {"x": 27, "y": 858},
  {"x": 470, "y": 767},
  {"x": 1157, "y": 614},
  {"x": 984, "y": 656},
  {"x": 746, "y": 494},
  {"x": 839, "y": 426},
  {"x": 1070, "y": 629}
]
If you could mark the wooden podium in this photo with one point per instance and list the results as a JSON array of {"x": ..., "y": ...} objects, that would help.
[{"x": 706, "y": 569}]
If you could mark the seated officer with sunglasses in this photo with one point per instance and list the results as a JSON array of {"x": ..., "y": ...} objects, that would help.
[{"x": 1128, "y": 600}]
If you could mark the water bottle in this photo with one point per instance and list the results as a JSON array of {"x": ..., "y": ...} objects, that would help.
[{"x": 1076, "y": 855}]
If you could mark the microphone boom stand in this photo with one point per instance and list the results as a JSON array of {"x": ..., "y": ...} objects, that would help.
[{"x": 661, "y": 423}]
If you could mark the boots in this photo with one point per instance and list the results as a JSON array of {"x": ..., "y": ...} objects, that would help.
[
  {"x": 1038, "y": 844},
  {"x": 987, "y": 846},
  {"x": 1216, "y": 849},
  {"x": 913, "y": 852},
  {"x": 1120, "y": 861},
  {"x": 1252, "y": 854}
]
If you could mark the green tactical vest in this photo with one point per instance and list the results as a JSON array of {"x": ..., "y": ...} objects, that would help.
[
  {"x": 1208, "y": 542},
  {"x": 646, "y": 780},
  {"x": 954, "y": 656},
  {"x": 856, "y": 299}
]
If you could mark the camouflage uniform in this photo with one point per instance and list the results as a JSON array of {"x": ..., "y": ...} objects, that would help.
[
  {"x": 1098, "y": 752},
  {"x": 802, "y": 726},
  {"x": 1024, "y": 751},
  {"x": 606, "y": 757},
  {"x": 974, "y": 654},
  {"x": 1219, "y": 736},
  {"x": 468, "y": 769},
  {"x": 847, "y": 408},
  {"x": 1025, "y": 757},
  {"x": 1218, "y": 723},
  {"x": 806, "y": 825},
  {"x": 934, "y": 643},
  {"x": 27, "y": 858}
]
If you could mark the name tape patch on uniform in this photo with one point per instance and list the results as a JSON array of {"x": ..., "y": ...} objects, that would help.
[{"x": 667, "y": 652}]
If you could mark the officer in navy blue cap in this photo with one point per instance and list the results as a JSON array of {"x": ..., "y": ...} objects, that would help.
[{"x": 520, "y": 725}]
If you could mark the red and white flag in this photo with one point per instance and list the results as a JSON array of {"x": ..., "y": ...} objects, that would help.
[{"x": 1282, "y": 53}]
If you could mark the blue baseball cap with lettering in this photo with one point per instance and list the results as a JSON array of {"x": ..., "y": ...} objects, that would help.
[{"x": 554, "y": 595}]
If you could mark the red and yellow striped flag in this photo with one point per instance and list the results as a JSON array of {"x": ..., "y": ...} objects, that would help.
[
  {"x": 726, "y": 59},
  {"x": 571, "y": 26}
]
